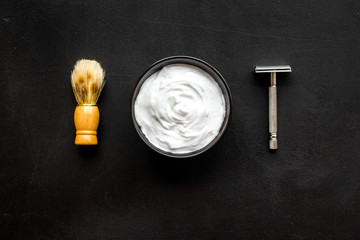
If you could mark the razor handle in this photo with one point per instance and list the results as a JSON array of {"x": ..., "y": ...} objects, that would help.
[{"x": 273, "y": 143}]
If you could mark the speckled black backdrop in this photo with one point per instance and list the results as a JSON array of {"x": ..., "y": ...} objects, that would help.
[{"x": 308, "y": 189}]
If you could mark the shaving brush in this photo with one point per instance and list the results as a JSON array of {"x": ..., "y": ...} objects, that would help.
[{"x": 87, "y": 80}]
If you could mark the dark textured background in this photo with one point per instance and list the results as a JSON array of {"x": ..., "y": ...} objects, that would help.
[{"x": 120, "y": 189}]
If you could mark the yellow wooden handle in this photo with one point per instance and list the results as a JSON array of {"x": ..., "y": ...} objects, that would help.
[{"x": 86, "y": 119}]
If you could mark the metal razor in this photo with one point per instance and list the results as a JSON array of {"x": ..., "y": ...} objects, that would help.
[{"x": 273, "y": 142}]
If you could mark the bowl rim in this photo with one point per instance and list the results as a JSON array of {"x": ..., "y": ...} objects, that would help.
[{"x": 189, "y": 60}]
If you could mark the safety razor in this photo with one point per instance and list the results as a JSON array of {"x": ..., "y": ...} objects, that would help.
[{"x": 273, "y": 142}]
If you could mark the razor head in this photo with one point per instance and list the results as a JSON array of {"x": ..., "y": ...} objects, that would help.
[{"x": 269, "y": 69}]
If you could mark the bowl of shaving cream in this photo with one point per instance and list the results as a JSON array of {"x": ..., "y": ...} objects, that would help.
[{"x": 181, "y": 106}]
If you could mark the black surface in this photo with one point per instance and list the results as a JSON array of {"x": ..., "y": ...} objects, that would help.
[{"x": 121, "y": 189}]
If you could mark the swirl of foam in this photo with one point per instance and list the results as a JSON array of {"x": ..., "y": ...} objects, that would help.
[{"x": 180, "y": 109}]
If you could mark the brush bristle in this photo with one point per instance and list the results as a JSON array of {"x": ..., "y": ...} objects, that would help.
[{"x": 87, "y": 80}]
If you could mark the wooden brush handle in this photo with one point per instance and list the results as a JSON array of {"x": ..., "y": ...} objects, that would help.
[{"x": 86, "y": 119}]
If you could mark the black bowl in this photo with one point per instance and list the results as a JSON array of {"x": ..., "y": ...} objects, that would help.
[{"x": 197, "y": 63}]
